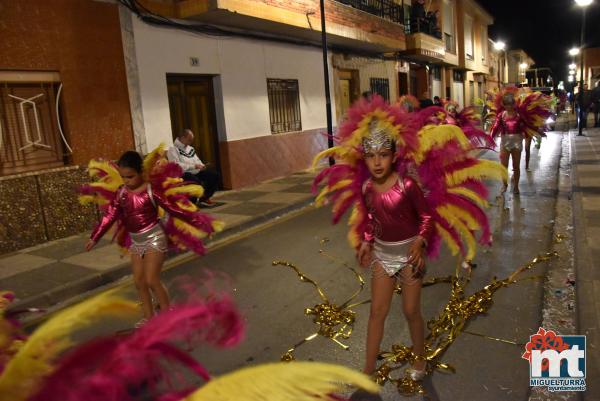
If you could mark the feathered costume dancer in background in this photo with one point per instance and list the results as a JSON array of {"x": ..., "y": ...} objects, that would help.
[
  {"x": 185, "y": 226},
  {"x": 520, "y": 114},
  {"x": 469, "y": 121},
  {"x": 133, "y": 194},
  {"x": 395, "y": 220},
  {"x": 408, "y": 103},
  {"x": 150, "y": 364}
]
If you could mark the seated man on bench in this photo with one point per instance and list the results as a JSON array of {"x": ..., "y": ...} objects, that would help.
[{"x": 182, "y": 153}]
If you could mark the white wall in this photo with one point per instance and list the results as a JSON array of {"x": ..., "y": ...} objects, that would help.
[
  {"x": 458, "y": 93},
  {"x": 436, "y": 88},
  {"x": 243, "y": 67}
]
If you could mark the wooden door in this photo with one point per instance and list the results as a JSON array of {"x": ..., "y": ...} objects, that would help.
[
  {"x": 345, "y": 98},
  {"x": 192, "y": 105},
  {"x": 402, "y": 84}
]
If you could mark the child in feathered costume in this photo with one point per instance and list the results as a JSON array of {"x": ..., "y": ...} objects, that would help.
[
  {"x": 133, "y": 194},
  {"x": 410, "y": 186},
  {"x": 520, "y": 114},
  {"x": 408, "y": 103},
  {"x": 468, "y": 120}
]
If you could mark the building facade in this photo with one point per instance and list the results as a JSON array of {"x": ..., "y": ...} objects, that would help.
[
  {"x": 63, "y": 101},
  {"x": 591, "y": 67},
  {"x": 518, "y": 64},
  {"x": 262, "y": 104}
]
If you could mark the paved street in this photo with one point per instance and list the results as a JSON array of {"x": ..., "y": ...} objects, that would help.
[{"x": 273, "y": 299}]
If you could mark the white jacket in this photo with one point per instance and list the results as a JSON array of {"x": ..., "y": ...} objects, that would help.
[{"x": 185, "y": 156}]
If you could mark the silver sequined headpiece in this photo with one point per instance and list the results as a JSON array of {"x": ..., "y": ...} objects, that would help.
[{"x": 378, "y": 139}]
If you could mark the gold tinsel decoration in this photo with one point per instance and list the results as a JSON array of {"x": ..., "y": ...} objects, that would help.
[{"x": 335, "y": 321}]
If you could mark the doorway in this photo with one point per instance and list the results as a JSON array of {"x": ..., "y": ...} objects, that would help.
[
  {"x": 348, "y": 90},
  {"x": 192, "y": 105},
  {"x": 402, "y": 84}
]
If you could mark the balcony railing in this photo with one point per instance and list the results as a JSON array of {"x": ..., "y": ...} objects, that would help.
[
  {"x": 386, "y": 9},
  {"x": 427, "y": 24}
]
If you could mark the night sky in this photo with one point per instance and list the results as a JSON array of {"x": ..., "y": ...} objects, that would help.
[{"x": 545, "y": 29}]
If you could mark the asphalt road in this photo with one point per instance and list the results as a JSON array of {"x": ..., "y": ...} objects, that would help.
[{"x": 273, "y": 299}]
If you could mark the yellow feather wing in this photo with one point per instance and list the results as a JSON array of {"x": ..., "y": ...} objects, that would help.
[
  {"x": 34, "y": 360},
  {"x": 296, "y": 381}
]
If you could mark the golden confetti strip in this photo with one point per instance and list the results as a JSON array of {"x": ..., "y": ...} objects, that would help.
[{"x": 449, "y": 324}]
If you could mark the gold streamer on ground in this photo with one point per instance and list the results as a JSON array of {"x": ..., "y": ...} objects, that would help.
[
  {"x": 447, "y": 326},
  {"x": 337, "y": 321},
  {"x": 334, "y": 321}
]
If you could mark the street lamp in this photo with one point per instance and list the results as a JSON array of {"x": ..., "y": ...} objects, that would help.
[
  {"x": 326, "y": 79},
  {"x": 572, "y": 66},
  {"x": 583, "y": 4},
  {"x": 500, "y": 46},
  {"x": 574, "y": 51}
]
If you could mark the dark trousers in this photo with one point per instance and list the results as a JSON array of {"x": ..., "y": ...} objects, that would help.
[
  {"x": 596, "y": 114},
  {"x": 209, "y": 179}
]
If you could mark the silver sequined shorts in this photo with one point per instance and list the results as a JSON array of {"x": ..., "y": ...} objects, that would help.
[
  {"x": 393, "y": 258},
  {"x": 153, "y": 239},
  {"x": 511, "y": 142}
]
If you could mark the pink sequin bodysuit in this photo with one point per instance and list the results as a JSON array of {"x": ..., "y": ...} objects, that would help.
[
  {"x": 398, "y": 214},
  {"x": 507, "y": 125},
  {"x": 135, "y": 209}
]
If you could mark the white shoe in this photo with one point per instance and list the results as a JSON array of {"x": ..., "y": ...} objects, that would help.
[{"x": 416, "y": 375}]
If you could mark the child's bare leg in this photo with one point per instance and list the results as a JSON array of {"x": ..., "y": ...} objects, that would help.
[
  {"x": 382, "y": 290},
  {"x": 137, "y": 266},
  {"x": 504, "y": 160},
  {"x": 516, "y": 161},
  {"x": 527, "y": 152},
  {"x": 153, "y": 262},
  {"x": 411, "y": 306}
]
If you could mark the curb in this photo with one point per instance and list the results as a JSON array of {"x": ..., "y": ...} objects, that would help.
[{"x": 51, "y": 298}]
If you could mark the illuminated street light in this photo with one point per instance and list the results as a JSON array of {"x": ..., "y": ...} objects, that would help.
[
  {"x": 574, "y": 51},
  {"x": 572, "y": 66},
  {"x": 571, "y": 78},
  {"x": 523, "y": 66},
  {"x": 584, "y": 3},
  {"x": 499, "y": 45}
]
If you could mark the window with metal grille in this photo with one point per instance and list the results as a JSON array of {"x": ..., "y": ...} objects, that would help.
[
  {"x": 388, "y": 9},
  {"x": 29, "y": 127},
  {"x": 284, "y": 105},
  {"x": 381, "y": 86},
  {"x": 436, "y": 73},
  {"x": 459, "y": 76}
]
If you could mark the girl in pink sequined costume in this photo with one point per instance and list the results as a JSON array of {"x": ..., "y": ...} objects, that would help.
[
  {"x": 412, "y": 184},
  {"x": 398, "y": 229},
  {"x": 135, "y": 204},
  {"x": 510, "y": 127}
]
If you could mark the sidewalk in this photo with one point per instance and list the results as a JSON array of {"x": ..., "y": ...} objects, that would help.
[
  {"x": 46, "y": 274},
  {"x": 585, "y": 157}
]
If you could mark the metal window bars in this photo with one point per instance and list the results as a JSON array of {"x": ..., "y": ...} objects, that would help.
[
  {"x": 284, "y": 105},
  {"x": 381, "y": 86},
  {"x": 387, "y": 9}
]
